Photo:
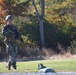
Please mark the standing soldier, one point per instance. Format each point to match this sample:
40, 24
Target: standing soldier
11, 34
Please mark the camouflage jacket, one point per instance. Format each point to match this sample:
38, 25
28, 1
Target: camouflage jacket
9, 34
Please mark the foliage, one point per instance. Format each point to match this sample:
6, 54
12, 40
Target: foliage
60, 14
73, 47
29, 31
13, 7
1, 37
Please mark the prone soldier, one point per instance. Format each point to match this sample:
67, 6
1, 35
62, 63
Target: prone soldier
11, 34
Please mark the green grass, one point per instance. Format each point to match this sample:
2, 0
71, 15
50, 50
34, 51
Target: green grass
31, 66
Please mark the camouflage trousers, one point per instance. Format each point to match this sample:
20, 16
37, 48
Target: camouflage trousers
12, 49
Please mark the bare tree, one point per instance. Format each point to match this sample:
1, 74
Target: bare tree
40, 14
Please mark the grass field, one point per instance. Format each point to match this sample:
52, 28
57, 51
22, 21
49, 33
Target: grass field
61, 65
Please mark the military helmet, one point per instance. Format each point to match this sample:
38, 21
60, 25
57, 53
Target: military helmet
9, 17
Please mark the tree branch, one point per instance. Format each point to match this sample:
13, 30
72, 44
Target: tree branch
33, 1
43, 7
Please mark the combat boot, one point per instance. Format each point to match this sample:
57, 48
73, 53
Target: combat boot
9, 66
14, 65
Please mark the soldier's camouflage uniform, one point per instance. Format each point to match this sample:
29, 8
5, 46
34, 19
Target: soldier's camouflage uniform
11, 45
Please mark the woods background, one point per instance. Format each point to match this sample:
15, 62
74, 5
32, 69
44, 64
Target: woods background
59, 26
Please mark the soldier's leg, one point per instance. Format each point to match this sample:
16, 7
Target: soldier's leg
14, 65
9, 65
15, 55
12, 51
12, 56
9, 53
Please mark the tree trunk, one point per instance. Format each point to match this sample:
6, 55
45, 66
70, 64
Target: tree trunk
41, 31
40, 18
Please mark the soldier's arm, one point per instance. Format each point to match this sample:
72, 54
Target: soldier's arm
4, 31
16, 28
19, 35
17, 32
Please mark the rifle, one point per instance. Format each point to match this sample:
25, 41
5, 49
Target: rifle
17, 34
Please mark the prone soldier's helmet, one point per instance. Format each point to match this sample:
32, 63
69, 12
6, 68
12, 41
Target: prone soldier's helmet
9, 17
